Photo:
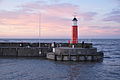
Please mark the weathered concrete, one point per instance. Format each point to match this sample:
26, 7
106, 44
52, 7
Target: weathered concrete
13, 44
63, 51
24, 52
67, 50
1, 53
75, 54
28, 52
9, 52
31, 49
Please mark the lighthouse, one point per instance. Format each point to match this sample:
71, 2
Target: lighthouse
74, 31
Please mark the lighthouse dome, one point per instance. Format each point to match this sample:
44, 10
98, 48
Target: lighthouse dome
74, 19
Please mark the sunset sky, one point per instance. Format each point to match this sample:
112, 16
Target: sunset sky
96, 18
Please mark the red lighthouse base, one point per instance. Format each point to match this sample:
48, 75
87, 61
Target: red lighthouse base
74, 34
74, 42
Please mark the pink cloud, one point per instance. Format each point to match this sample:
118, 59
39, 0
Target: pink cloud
56, 21
99, 31
113, 16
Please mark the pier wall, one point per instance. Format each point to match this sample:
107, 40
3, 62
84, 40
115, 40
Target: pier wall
75, 54
19, 49
24, 52
11, 44
74, 51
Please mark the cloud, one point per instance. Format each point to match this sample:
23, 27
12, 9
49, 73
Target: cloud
15, 18
88, 15
99, 31
56, 20
51, 14
26, 24
106, 29
118, 1
65, 10
113, 16
1, 1
115, 12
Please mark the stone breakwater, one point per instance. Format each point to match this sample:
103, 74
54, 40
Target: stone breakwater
23, 52
55, 51
24, 49
31, 49
21, 44
75, 54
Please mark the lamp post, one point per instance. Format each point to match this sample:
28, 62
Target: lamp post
39, 33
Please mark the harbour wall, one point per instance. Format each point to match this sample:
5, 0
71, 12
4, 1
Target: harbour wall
24, 52
32, 49
21, 44
75, 54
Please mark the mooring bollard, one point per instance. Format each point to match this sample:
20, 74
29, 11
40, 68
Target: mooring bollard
83, 44
20, 45
73, 46
53, 47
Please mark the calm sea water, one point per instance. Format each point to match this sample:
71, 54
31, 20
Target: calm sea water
42, 69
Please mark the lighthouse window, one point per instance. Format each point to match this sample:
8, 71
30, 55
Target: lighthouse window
74, 22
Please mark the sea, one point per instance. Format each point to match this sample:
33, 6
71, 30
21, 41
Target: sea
43, 69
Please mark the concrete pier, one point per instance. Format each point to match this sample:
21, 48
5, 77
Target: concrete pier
31, 49
75, 54
24, 52
26, 44
60, 51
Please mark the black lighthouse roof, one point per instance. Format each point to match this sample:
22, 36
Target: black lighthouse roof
74, 19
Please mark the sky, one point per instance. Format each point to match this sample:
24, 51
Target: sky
96, 18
